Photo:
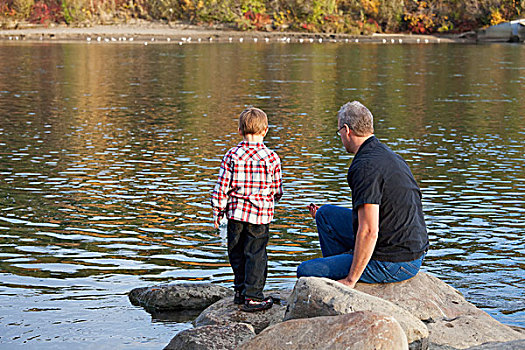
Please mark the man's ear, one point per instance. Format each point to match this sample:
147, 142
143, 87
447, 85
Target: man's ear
349, 131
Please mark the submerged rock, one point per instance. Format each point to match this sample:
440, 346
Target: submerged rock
313, 296
353, 331
176, 297
214, 337
226, 312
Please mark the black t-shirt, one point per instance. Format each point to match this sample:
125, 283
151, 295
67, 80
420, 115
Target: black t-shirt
379, 176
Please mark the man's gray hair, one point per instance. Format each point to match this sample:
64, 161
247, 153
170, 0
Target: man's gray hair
357, 117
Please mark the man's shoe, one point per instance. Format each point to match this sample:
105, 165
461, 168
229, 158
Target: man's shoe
238, 298
252, 305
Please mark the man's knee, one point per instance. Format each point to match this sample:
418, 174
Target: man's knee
313, 268
306, 269
322, 215
323, 210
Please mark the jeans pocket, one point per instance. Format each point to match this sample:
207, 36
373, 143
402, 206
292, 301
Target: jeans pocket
398, 272
259, 231
405, 273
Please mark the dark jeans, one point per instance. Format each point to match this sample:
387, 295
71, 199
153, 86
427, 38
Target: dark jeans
336, 236
248, 259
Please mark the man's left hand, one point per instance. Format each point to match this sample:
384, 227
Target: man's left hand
347, 283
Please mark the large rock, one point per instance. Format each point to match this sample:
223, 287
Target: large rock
212, 337
511, 345
424, 296
226, 312
183, 296
467, 331
353, 331
314, 296
451, 320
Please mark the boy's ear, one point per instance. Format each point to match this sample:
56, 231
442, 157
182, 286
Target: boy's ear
240, 132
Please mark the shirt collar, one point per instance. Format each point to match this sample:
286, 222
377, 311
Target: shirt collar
251, 144
368, 143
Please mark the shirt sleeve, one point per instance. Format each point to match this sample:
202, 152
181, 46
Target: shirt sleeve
219, 197
277, 181
366, 185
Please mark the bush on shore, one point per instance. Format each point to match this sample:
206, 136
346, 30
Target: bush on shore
327, 16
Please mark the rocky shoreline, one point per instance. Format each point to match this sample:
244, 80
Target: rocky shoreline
154, 33
421, 313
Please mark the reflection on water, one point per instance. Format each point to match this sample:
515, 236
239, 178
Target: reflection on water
108, 155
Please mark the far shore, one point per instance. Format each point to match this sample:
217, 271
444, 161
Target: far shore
152, 33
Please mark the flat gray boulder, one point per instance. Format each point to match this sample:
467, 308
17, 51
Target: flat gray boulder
451, 320
177, 297
468, 331
354, 331
226, 312
424, 296
314, 296
227, 337
511, 345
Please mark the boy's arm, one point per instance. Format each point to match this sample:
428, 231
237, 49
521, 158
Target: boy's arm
219, 197
277, 182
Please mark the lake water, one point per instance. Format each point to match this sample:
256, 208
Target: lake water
108, 155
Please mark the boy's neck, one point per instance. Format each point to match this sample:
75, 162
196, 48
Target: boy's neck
253, 138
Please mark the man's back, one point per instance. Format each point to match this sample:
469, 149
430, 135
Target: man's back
379, 176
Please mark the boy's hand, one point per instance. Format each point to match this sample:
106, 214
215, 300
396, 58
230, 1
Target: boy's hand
313, 209
217, 222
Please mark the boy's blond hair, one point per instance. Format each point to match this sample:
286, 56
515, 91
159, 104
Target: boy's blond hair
253, 121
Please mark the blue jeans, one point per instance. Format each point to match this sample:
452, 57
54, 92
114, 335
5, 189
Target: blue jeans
336, 236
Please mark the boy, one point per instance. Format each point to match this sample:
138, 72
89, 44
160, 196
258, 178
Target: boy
249, 184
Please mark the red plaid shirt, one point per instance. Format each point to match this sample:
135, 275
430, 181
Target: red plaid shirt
249, 183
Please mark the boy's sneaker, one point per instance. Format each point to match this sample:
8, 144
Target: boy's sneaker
252, 305
238, 298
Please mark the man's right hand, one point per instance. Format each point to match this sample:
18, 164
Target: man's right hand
313, 209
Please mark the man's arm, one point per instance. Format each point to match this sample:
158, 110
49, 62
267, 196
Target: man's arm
365, 242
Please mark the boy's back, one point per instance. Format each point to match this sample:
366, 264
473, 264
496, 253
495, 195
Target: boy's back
249, 183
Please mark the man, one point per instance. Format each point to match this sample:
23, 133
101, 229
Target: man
383, 238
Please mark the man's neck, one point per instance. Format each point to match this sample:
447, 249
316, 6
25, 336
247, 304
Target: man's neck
358, 142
